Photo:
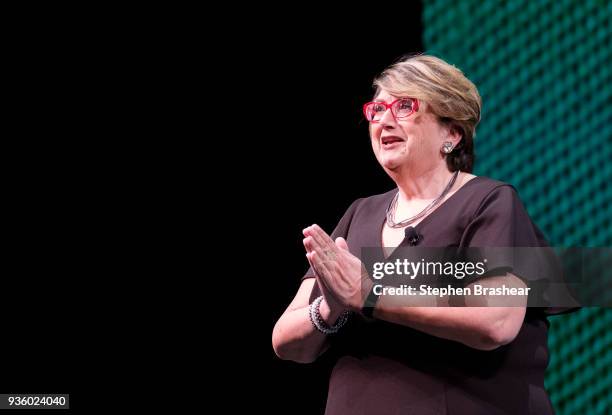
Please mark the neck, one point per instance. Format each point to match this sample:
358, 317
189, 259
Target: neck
423, 185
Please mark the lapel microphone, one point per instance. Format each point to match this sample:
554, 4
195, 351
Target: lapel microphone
412, 236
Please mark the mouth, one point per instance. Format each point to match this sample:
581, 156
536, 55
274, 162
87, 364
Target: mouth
390, 140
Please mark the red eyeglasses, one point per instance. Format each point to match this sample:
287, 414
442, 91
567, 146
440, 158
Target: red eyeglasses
400, 108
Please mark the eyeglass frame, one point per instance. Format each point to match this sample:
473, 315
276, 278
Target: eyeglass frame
415, 108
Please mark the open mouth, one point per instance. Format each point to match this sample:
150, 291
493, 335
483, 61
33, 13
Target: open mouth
390, 140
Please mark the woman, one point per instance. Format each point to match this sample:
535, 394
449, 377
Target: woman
421, 360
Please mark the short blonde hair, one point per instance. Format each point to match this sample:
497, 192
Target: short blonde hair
450, 96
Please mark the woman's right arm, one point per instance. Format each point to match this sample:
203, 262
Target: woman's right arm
294, 336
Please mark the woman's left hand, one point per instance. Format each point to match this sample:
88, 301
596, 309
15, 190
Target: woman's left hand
339, 270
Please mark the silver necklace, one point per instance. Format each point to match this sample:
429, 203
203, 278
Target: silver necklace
393, 206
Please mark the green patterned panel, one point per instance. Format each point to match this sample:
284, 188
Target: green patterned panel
544, 70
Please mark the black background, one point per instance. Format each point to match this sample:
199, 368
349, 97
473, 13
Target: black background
321, 157
65, 329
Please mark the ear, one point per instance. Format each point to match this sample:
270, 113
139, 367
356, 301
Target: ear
455, 135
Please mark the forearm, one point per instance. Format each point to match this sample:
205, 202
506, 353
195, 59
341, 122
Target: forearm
477, 327
295, 337
485, 323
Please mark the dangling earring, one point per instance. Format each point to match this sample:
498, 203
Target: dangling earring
447, 147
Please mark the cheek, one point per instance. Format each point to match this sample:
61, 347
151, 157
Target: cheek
375, 141
375, 132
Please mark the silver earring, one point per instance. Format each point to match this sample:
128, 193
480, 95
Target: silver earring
447, 147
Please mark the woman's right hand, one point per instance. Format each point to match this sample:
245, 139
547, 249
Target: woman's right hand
330, 308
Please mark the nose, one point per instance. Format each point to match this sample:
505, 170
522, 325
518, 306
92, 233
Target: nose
388, 120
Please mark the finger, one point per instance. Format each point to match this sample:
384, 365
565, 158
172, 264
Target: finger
318, 264
308, 243
320, 232
327, 246
321, 238
326, 279
341, 243
313, 265
310, 232
321, 266
327, 252
310, 262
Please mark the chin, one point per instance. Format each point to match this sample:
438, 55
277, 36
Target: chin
391, 161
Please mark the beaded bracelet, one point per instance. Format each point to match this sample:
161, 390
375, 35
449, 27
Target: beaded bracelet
319, 323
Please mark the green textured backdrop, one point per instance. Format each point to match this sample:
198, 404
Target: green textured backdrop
543, 69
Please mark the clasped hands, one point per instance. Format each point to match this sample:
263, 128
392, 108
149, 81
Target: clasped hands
339, 273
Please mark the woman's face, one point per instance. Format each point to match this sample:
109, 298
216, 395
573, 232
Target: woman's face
413, 142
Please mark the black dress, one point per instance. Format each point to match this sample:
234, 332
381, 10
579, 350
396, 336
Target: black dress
385, 368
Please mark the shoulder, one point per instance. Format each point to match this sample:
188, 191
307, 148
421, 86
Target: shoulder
362, 211
481, 191
372, 204
483, 200
498, 217
485, 185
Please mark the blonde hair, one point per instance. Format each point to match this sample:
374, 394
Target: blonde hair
452, 97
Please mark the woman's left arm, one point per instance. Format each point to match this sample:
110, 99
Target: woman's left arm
476, 325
